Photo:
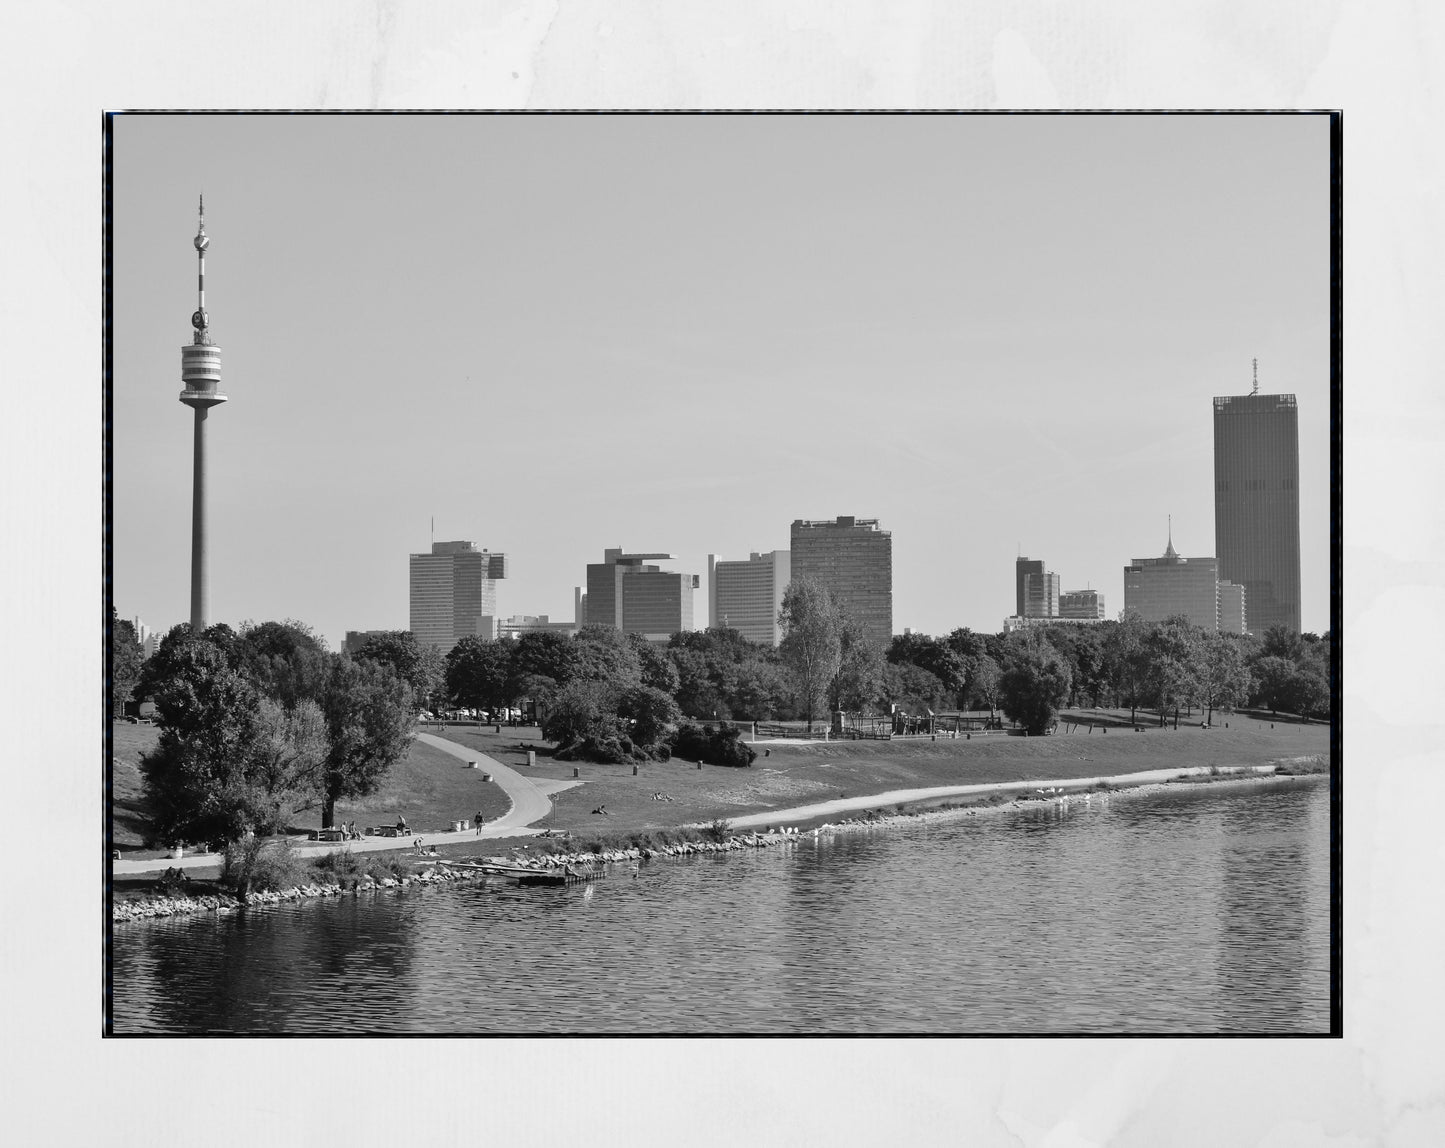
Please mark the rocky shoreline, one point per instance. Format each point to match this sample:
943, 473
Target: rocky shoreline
441, 873
150, 908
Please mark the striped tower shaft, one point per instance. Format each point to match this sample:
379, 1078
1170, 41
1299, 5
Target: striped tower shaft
200, 589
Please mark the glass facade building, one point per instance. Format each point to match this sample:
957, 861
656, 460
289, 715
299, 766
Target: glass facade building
1159, 588
1256, 504
853, 559
626, 591
452, 590
748, 595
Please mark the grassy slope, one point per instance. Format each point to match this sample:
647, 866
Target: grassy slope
797, 775
430, 787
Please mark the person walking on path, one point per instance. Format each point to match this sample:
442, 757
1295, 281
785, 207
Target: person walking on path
478, 821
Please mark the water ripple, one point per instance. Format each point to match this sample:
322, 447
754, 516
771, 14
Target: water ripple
1198, 911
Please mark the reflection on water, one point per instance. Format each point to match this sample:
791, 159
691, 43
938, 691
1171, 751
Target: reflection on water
1205, 909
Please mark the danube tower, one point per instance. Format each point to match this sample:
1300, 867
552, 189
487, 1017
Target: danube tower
201, 372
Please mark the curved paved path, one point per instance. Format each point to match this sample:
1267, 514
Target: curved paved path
529, 804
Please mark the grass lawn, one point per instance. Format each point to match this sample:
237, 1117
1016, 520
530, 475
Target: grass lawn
429, 787
800, 774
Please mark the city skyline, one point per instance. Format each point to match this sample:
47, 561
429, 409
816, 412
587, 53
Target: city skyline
996, 333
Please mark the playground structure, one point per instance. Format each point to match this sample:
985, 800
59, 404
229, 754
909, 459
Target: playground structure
883, 727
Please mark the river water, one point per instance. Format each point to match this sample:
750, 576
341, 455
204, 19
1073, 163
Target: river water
1199, 909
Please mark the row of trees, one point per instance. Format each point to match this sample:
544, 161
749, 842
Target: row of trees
259, 725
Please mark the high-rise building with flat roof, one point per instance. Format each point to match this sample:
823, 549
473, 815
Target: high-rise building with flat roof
1159, 588
1041, 595
748, 595
452, 590
1023, 567
1256, 504
853, 559
627, 591
1081, 604
1036, 589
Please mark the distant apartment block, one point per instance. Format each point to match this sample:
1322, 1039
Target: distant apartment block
853, 559
1256, 504
355, 639
519, 624
627, 591
452, 589
1082, 605
1159, 588
748, 595
1017, 623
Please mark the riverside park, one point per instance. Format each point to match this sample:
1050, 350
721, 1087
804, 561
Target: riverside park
455, 771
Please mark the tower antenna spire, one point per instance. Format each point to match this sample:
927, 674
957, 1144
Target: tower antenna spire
1256, 378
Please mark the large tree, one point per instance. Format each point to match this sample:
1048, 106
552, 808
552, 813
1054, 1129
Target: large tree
542, 662
286, 660
604, 654
812, 645
1126, 660
986, 683
1225, 679
369, 714
228, 759
1035, 684
944, 660
913, 689
858, 681
126, 657
1174, 652
656, 667
478, 672
420, 667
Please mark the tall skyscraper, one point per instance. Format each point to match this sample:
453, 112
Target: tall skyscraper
1023, 567
853, 559
626, 591
748, 595
201, 372
454, 593
1256, 504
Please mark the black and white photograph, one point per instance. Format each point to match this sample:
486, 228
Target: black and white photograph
818, 574
773, 573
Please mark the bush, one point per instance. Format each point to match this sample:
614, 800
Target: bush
254, 864
719, 830
715, 746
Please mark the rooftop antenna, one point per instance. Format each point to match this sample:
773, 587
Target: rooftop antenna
1256, 378
433, 529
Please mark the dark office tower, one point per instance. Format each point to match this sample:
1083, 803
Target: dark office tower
1022, 569
1256, 504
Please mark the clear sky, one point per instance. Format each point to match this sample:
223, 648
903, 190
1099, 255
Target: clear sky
558, 334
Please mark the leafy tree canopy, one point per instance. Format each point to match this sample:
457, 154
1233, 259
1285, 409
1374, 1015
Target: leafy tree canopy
812, 647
